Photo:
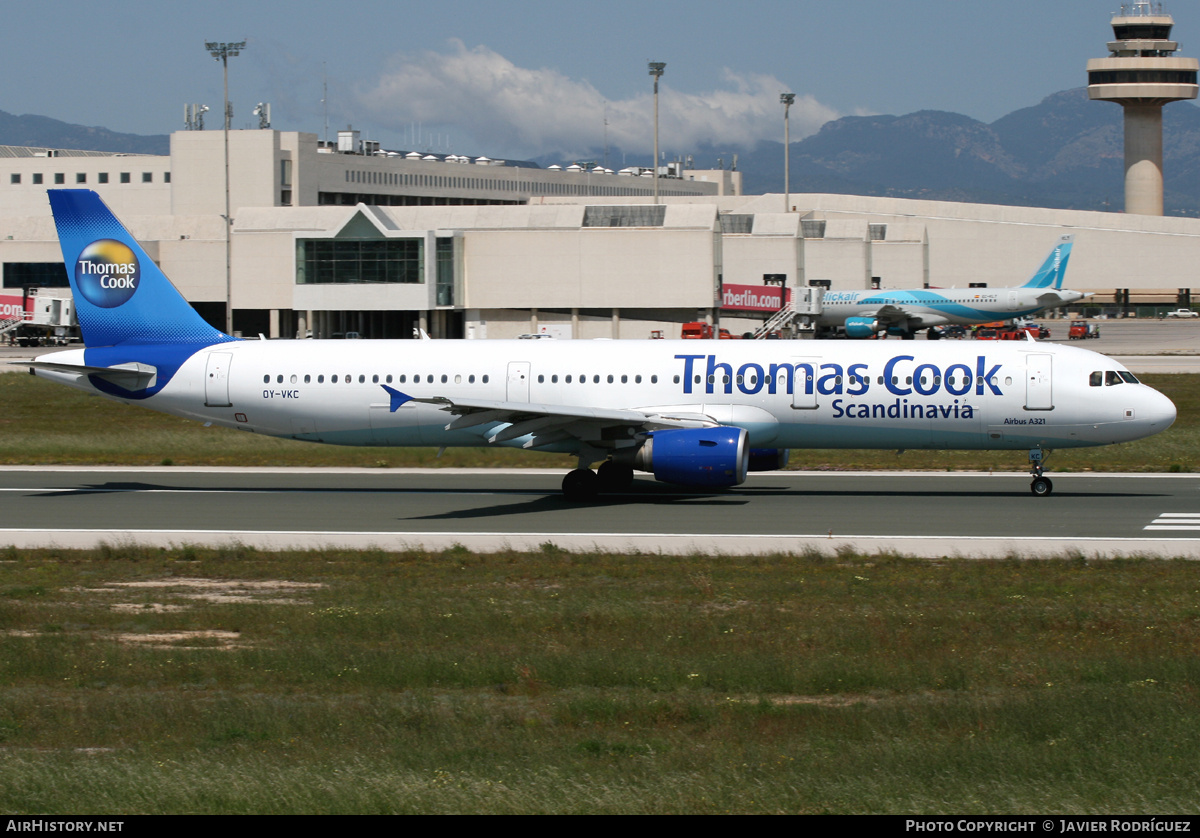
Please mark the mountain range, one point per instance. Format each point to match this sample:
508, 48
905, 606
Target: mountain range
1065, 152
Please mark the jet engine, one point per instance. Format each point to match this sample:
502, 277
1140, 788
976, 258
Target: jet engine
861, 327
713, 457
768, 459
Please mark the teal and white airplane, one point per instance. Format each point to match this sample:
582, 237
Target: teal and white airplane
863, 314
692, 413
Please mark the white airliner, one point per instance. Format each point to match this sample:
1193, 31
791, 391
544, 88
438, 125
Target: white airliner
862, 314
693, 413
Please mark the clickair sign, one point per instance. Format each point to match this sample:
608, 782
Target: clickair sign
107, 273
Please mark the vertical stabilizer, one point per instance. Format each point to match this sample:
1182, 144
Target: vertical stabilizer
121, 296
1052, 271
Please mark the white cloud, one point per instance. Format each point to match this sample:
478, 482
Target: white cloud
521, 111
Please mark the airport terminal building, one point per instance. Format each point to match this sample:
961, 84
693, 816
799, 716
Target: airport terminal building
329, 239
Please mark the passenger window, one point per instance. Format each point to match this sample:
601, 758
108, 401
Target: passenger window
279, 379
362, 379
458, 379
624, 379
637, 379
266, 379
307, 379
470, 379
654, 379
320, 379
334, 379
595, 379
374, 379
485, 379
568, 379
541, 379
429, 379
293, 379
389, 378
610, 379
402, 378
554, 379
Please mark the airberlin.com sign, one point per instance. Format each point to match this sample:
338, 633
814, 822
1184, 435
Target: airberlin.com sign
11, 308
751, 297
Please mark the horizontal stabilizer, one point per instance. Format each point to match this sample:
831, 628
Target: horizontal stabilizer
131, 376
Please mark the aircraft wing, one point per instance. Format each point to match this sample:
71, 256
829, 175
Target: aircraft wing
547, 424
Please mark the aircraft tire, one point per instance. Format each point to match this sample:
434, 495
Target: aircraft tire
1041, 486
614, 477
580, 485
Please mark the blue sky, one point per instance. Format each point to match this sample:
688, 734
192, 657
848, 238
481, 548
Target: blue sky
524, 79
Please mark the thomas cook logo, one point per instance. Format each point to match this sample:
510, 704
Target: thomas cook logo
107, 273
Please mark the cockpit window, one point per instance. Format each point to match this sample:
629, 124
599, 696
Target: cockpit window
1128, 376
1112, 377
1096, 379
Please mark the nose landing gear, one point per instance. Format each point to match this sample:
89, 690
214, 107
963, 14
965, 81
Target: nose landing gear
1041, 485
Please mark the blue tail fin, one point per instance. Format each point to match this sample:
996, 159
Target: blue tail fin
121, 297
1052, 271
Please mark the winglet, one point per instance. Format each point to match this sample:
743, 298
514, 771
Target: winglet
397, 398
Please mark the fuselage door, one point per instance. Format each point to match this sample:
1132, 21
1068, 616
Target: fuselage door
804, 383
1039, 394
216, 380
518, 381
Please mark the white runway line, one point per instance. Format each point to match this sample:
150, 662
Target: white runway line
1176, 521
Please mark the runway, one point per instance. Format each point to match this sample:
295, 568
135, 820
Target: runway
919, 514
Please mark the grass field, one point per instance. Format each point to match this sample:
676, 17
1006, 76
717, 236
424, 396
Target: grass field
190, 680
139, 680
43, 423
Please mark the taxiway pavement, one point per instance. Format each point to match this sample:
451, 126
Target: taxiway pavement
921, 514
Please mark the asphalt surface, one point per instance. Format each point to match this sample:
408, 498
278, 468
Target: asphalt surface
967, 515
913, 513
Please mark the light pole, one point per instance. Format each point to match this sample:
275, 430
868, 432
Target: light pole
222, 52
788, 99
656, 70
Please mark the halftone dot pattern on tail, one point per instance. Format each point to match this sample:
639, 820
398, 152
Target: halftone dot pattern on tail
156, 313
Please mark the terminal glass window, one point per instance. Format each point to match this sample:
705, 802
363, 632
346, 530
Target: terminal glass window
322, 261
445, 271
647, 215
812, 228
736, 223
35, 275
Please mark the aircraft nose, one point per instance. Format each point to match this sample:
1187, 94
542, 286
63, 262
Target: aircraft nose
1158, 412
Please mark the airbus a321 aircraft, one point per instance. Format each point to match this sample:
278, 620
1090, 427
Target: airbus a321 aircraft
691, 413
863, 314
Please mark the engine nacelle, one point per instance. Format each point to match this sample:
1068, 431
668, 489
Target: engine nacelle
717, 456
861, 327
769, 459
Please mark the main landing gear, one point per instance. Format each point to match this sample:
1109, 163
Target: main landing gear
584, 484
1041, 485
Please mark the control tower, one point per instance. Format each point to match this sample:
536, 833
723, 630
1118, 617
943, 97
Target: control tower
1141, 75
